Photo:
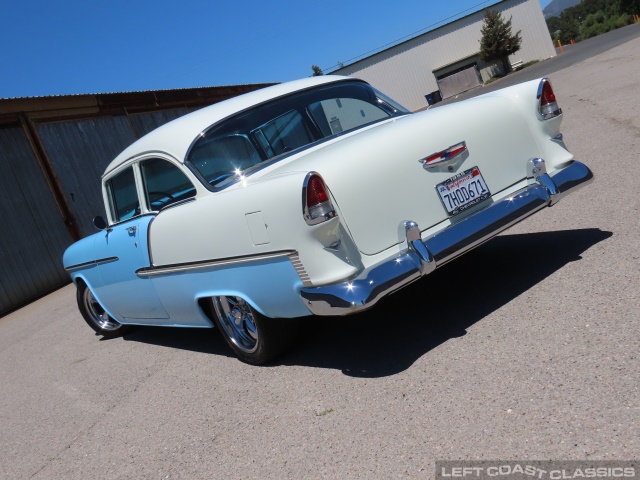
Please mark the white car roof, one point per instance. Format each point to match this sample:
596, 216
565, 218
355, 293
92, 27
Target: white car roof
176, 137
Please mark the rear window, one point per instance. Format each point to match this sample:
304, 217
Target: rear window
244, 143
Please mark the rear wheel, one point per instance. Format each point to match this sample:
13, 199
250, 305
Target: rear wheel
95, 315
254, 338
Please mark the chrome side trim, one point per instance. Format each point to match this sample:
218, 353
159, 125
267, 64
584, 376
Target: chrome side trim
92, 263
107, 260
149, 239
176, 204
184, 267
422, 256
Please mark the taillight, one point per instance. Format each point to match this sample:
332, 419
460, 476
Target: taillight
316, 204
547, 104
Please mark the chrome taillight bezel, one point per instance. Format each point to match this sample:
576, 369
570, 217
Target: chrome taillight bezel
550, 109
318, 213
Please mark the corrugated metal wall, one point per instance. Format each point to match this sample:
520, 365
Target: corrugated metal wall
79, 152
33, 236
405, 72
143, 123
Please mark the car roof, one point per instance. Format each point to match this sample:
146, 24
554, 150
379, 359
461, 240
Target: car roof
176, 137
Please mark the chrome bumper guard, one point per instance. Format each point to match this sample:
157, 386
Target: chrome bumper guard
424, 256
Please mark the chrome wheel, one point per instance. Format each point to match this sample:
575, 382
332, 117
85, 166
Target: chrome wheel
238, 322
96, 313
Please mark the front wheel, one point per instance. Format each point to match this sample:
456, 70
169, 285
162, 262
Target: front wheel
254, 338
95, 315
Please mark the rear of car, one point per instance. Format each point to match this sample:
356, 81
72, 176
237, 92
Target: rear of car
416, 192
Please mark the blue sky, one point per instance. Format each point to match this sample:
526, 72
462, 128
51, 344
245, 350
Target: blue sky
79, 46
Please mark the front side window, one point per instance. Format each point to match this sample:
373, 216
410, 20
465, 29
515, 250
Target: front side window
252, 139
123, 196
164, 184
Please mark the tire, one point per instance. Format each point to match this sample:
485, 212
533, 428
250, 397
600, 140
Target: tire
95, 316
254, 338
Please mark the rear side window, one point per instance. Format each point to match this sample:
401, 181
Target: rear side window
283, 134
164, 184
341, 114
123, 196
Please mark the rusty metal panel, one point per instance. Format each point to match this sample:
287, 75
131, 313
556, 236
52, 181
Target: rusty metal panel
33, 236
143, 123
80, 151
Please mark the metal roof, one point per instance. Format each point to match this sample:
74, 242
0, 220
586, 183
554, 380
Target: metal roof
60, 107
203, 87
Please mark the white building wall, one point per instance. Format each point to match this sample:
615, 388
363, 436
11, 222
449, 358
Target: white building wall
405, 72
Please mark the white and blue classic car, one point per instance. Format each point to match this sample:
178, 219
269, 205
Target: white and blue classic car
314, 197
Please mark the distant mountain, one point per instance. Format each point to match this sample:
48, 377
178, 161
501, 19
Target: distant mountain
556, 7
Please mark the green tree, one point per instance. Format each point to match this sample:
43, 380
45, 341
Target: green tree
497, 41
569, 27
590, 18
317, 71
632, 7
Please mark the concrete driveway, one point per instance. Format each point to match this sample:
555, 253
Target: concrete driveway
526, 348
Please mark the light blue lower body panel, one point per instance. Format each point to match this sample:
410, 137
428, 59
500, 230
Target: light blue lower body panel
93, 279
271, 286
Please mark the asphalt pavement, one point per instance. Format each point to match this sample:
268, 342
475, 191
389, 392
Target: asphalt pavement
526, 348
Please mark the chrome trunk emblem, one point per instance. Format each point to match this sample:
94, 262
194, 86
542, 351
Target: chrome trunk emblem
445, 157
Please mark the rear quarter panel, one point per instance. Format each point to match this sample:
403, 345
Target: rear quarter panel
254, 217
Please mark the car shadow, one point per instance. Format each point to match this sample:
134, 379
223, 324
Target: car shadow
403, 327
202, 340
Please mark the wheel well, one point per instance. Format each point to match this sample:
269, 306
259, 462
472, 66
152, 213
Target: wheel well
206, 305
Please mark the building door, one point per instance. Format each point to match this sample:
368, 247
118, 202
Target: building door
459, 82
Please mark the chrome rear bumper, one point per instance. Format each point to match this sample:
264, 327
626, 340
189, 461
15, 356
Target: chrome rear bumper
424, 256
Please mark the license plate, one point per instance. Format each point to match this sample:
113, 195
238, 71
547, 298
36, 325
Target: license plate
463, 191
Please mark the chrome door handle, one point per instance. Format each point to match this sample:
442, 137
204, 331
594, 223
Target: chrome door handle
131, 230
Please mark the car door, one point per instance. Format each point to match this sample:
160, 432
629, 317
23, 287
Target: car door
124, 243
